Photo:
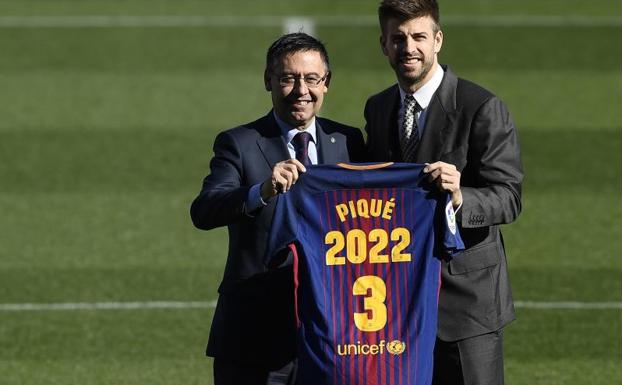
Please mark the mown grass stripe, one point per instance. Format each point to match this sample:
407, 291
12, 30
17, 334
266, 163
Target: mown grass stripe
108, 305
98, 21
558, 305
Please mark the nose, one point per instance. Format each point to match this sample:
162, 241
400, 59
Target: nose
300, 87
410, 45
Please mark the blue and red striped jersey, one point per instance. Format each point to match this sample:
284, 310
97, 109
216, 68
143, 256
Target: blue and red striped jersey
367, 241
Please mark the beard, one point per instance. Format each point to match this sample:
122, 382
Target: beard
413, 77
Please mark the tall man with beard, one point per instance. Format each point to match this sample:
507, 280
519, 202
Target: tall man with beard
465, 135
253, 332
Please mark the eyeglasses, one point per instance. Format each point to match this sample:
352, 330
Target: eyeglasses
311, 81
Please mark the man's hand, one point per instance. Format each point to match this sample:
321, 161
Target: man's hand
447, 178
284, 175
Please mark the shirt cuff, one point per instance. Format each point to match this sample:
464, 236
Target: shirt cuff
253, 200
458, 208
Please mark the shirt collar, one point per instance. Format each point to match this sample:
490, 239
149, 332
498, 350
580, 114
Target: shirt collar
423, 95
288, 132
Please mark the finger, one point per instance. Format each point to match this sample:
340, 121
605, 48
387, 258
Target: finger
291, 174
280, 184
452, 176
447, 166
301, 167
451, 183
447, 186
294, 174
286, 179
430, 167
285, 174
433, 175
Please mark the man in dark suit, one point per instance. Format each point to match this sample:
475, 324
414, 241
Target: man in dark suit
253, 332
466, 136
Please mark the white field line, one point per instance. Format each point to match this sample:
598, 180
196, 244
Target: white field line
100, 21
18, 307
108, 305
568, 305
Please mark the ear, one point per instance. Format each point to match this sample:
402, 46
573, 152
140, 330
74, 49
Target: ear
327, 81
266, 80
438, 42
383, 41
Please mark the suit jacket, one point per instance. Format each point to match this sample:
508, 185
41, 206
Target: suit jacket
469, 127
254, 320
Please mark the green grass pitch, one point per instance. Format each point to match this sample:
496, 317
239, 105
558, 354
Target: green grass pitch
106, 134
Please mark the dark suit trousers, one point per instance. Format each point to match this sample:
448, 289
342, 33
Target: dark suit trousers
472, 361
235, 373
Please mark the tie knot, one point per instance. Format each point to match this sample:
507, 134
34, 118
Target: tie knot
301, 140
410, 103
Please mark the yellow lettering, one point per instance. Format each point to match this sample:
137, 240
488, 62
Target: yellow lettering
380, 237
351, 349
388, 209
365, 208
356, 247
362, 206
356, 243
402, 236
342, 211
375, 208
364, 350
374, 302
340, 351
352, 209
381, 344
336, 239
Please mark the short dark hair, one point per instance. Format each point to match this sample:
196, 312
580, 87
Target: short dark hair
408, 9
294, 42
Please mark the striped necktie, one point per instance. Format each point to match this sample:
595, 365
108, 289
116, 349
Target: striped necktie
301, 145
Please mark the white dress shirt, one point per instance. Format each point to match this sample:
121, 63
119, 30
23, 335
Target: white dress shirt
423, 96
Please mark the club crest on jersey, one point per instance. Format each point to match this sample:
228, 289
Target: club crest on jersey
451, 217
396, 347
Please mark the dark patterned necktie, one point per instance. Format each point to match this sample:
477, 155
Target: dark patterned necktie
410, 132
301, 145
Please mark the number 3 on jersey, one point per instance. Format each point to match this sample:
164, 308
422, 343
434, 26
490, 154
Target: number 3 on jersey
373, 302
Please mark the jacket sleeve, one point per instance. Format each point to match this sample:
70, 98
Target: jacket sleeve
222, 198
494, 171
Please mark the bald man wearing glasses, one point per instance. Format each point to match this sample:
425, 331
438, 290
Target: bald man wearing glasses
252, 338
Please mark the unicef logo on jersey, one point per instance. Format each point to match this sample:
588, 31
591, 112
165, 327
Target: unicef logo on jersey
451, 217
396, 347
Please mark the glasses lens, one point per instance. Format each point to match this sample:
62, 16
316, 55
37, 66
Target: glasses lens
310, 81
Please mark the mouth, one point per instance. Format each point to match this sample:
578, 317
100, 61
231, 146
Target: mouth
301, 103
410, 60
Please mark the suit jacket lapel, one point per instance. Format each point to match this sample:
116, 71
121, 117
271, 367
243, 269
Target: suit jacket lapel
271, 142
330, 146
440, 119
390, 122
